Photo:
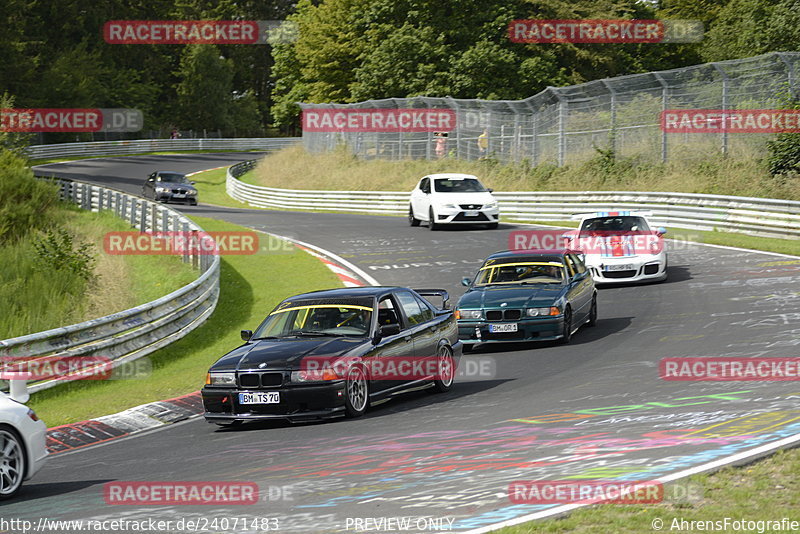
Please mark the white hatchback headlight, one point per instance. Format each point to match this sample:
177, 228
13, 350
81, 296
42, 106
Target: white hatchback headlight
491, 205
449, 206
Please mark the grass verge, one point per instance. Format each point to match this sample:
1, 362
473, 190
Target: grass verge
294, 168
250, 286
38, 298
767, 490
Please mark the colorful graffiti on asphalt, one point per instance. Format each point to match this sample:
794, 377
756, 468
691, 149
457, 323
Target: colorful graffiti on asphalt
468, 472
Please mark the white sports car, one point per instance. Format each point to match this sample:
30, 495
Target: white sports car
451, 198
23, 440
620, 247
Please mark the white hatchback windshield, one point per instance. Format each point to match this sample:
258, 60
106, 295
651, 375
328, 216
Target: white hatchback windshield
466, 185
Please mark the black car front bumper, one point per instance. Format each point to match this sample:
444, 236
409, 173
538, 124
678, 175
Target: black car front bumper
297, 403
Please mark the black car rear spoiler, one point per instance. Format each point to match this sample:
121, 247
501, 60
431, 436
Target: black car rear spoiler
436, 293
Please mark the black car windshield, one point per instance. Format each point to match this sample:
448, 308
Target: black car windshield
625, 223
172, 177
466, 185
316, 320
530, 272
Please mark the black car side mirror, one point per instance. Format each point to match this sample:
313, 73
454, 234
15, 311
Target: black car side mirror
465, 281
387, 330
192, 183
247, 335
491, 190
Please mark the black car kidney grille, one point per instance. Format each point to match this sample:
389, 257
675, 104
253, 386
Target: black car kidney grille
180, 191
260, 380
471, 206
499, 315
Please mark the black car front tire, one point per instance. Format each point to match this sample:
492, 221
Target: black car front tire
356, 392
446, 370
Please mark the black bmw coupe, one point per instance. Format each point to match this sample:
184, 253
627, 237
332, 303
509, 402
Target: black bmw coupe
331, 353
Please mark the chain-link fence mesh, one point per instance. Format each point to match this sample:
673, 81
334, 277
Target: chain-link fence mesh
567, 124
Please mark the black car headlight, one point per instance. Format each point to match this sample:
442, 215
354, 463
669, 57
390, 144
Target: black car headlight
160, 189
315, 375
192, 193
220, 379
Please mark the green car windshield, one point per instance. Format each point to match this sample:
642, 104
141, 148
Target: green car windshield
316, 320
532, 272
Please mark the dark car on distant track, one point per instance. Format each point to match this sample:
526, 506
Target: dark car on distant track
527, 295
330, 353
167, 186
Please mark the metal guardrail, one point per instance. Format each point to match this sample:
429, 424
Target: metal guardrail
139, 146
757, 216
131, 334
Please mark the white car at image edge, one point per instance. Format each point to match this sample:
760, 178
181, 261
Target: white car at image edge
23, 440
623, 247
452, 198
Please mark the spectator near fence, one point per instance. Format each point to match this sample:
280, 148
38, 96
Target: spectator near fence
483, 144
441, 144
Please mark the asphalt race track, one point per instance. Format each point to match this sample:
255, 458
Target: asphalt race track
595, 408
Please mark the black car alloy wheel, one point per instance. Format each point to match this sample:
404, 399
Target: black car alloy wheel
446, 369
356, 392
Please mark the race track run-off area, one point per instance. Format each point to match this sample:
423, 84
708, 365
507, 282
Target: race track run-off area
593, 409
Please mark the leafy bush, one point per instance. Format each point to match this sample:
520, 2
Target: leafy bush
57, 250
784, 154
25, 203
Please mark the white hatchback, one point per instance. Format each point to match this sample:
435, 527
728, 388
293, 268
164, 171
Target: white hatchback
23, 440
452, 198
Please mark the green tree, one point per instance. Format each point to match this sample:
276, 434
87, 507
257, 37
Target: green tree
205, 92
746, 28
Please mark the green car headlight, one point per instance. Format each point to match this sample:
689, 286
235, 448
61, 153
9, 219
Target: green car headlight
469, 314
539, 312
